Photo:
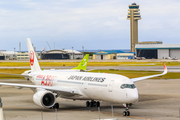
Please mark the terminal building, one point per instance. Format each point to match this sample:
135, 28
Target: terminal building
25, 55
104, 55
125, 56
158, 51
112, 54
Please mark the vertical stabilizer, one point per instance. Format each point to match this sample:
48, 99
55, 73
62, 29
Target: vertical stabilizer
83, 64
32, 57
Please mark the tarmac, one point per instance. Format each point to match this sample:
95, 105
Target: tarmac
159, 100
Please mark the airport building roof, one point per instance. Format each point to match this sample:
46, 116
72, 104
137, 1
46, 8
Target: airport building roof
157, 46
64, 51
108, 52
8, 52
70, 51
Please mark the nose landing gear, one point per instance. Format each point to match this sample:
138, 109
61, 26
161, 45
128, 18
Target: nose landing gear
126, 112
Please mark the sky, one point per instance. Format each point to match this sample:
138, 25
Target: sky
94, 24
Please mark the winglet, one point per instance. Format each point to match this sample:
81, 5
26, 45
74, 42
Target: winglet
83, 64
32, 57
165, 69
151, 76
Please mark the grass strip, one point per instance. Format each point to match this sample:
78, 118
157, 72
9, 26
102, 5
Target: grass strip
135, 74
53, 64
127, 73
14, 71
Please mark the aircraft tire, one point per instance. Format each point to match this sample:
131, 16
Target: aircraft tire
91, 104
88, 104
97, 104
94, 104
128, 113
124, 113
56, 105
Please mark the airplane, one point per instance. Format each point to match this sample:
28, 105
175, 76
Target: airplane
49, 85
80, 68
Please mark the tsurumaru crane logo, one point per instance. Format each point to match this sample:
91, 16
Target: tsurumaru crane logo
31, 57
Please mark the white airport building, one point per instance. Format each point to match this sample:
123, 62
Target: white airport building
8, 55
158, 51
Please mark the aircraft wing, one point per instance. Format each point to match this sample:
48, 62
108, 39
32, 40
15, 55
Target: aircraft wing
90, 70
15, 74
66, 91
151, 76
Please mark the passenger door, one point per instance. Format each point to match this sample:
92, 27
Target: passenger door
85, 84
111, 85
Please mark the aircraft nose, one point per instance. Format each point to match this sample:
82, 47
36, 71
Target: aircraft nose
134, 96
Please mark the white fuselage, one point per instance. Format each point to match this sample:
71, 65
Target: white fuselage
92, 86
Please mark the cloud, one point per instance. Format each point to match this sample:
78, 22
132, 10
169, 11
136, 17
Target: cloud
85, 21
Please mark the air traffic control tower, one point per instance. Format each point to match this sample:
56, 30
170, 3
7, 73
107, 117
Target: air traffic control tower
134, 16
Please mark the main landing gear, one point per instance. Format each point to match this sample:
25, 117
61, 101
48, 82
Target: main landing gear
93, 104
56, 106
126, 112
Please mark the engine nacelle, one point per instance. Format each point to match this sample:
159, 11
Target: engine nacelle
45, 99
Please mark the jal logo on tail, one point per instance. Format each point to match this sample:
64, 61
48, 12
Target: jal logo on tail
31, 56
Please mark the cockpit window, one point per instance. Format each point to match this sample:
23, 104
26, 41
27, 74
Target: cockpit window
132, 86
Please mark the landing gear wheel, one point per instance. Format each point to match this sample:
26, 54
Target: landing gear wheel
127, 113
93, 104
56, 105
124, 113
97, 104
88, 104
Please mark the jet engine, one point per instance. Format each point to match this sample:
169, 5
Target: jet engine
45, 99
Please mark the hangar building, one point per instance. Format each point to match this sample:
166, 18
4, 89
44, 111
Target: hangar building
74, 54
158, 51
54, 54
2, 56
106, 54
61, 54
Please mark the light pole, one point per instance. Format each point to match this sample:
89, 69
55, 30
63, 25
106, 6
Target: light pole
14, 53
72, 53
1, 111
83, 50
